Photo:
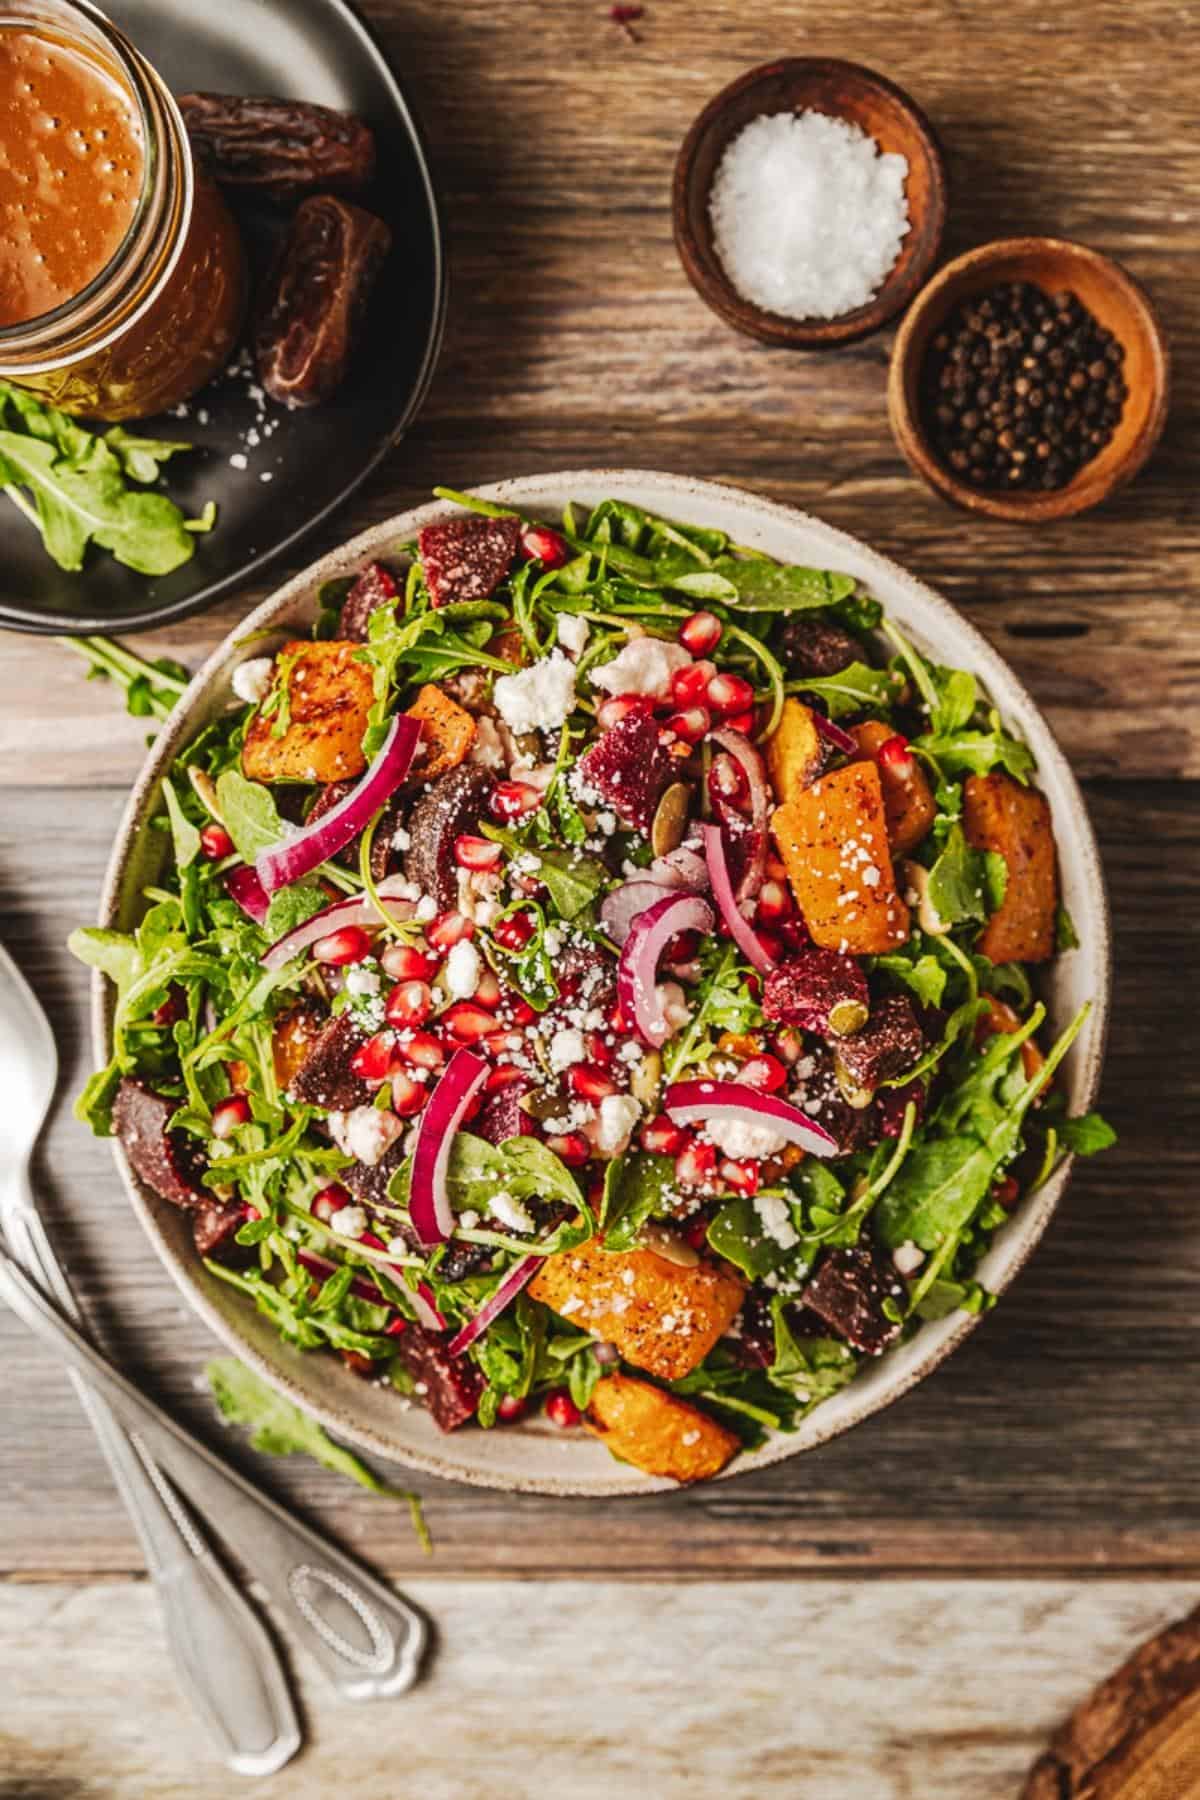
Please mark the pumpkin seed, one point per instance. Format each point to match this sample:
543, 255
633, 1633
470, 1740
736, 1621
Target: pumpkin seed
846, 1017
670, 819
666, 1244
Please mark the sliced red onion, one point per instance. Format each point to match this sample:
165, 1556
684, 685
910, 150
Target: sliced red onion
503, 1296
242, 884
834, 733
361, 1288
696, 1102
426, 1310
740, 928
355, 909
637, 971
683, 868
428, 1202
619, 909
755, 771
314, 844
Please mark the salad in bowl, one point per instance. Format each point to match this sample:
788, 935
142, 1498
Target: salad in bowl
595, 974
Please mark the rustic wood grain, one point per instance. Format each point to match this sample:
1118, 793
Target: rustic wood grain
927, 1690
1062, 1436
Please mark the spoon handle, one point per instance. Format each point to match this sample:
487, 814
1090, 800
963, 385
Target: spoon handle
368, 1640
224, 1656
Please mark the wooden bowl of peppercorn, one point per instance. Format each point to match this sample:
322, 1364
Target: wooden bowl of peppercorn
1029, 379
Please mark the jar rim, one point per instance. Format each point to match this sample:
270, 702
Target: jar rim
140, 79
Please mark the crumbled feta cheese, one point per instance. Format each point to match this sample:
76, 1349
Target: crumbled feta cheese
463, 966
398, 1246
644, 665
676, 1010
619, 1113
566, 1047
776, 1219
606, 822
252, 679
510, 1212
744, 1137
572, 632
426, 909
401, 839
351, 1221
488, 747
908, 1257
552, 940
539, 698
362, 980
371, 1133
468, 1220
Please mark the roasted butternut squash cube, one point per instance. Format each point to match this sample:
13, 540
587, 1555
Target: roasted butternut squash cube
293, 1035
908, 801
795, 750
328, 698
833, 841
447, 732
1000, 814
658, 1433
663, 1316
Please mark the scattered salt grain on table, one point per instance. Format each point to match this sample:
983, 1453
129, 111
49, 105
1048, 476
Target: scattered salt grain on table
808, 215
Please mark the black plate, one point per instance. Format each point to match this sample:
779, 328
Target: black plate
313, 50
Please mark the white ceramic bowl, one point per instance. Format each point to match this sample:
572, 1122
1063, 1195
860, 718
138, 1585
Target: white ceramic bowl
536, 1457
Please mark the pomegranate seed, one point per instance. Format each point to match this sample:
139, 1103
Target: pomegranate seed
513, 799
373, 1059
422, 1049
618, 1022
519, 1011
476, 852
170, 1010
1006, 1191
695, 1231
727, 781
372, 1240
409, 1003
743, 722
619, 706
404, 963
599, 1051
216, 842
771, 942
487, 990
505, 1076
788, 1044
561, 1410
466, 1023
229, 1114
503, 1043
691, 725
701, 633
774, 903
572, 1148
689, 686
893, 753
766, 1073
448, 929
740, 1176
695, 1164
793, 932
330, 1200
514, 932
349, 944
396, 1327
683, 947
729, 694
662, 1137
540, 544
510, 1408
589, 1084
408, 1095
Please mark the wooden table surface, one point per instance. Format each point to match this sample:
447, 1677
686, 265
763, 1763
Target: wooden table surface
1059, 1445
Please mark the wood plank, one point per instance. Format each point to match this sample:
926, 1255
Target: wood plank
870, 1692
1061, 1437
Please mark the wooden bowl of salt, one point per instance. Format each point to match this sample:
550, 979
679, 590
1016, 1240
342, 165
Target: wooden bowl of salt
796, 233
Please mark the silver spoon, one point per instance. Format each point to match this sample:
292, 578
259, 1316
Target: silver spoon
367, 1639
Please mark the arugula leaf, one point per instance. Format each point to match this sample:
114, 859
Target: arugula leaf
184, 835
813, 1367
856, 688
250, 814
1086, 1135
975, 752
141, 458
763, 586
150, 688
635, 1187
116, 953
291, 906
924, 975
1065, 935
571, 880
737, 1234
965, 883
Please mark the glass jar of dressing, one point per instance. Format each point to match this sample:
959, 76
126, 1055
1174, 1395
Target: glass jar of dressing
122, 280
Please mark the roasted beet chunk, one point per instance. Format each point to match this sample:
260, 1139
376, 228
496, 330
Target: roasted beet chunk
214, 1223
629, 768
503, 1117
450, 806
818, 990
449, 1386
891, 1103
167, 1161
325, 1077
848, 1292
810, 645
819, 1093
368, 1182
586, 978
890, 1043
376, 586
466, 559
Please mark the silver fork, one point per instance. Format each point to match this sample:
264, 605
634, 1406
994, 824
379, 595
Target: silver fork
366, 1638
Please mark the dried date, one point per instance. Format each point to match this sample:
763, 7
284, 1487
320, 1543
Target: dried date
312, 308
279, 147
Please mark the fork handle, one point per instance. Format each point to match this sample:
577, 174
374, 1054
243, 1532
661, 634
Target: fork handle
367, 1639
224, 1656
